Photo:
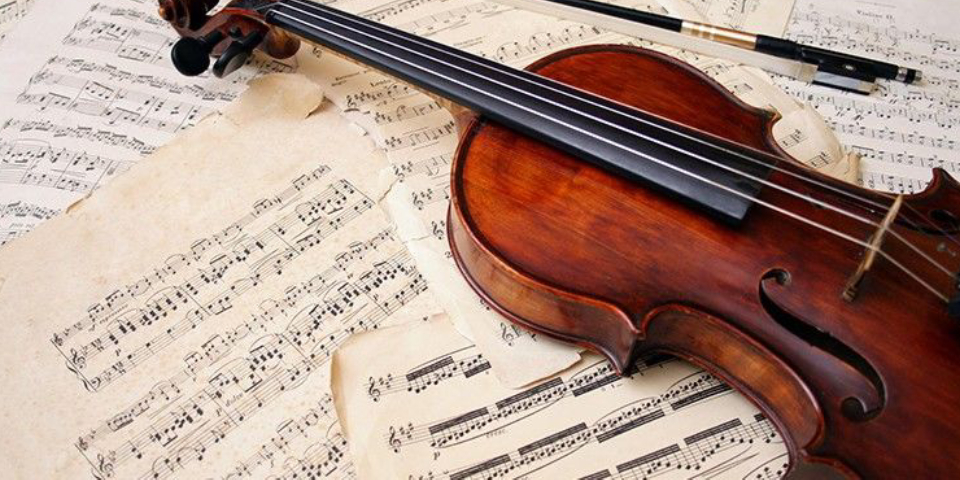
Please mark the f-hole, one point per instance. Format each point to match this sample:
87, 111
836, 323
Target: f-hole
935, 222
853, 408
945, 219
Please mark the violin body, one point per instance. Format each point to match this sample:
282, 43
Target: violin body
864, 387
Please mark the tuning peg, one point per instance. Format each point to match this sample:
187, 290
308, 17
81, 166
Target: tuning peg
237, 54
191, 56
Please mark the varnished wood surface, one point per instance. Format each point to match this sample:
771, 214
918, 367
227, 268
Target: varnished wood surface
572, 251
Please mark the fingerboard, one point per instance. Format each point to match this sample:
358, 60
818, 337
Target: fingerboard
625, 141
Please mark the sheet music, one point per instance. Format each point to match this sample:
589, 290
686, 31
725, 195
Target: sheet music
418, 401
420, 140
11, 11
87, 90
902, 131
754, 16
185, 328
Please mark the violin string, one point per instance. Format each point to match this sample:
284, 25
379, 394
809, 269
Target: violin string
622, 147
545, 83
551, 85
663, 163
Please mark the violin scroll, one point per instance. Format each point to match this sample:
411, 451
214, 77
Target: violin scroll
230, 35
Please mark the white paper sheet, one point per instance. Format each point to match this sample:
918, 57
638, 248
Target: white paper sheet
902, 131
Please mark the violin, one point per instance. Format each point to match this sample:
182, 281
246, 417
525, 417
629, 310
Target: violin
619, 199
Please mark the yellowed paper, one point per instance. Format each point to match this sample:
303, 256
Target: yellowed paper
754, 16
179, 322
418, 401
807, 138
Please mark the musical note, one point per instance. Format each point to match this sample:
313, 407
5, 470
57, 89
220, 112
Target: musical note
476, 423
668, 420
199, 298
11, 11
430, 167
17, 218
110, 104
37, 164
699, 449
248, 364
465, 363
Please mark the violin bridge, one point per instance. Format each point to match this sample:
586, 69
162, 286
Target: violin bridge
876, 240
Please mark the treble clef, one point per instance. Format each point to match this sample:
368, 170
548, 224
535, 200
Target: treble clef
104, 468
78, 359
395, 443
372, 389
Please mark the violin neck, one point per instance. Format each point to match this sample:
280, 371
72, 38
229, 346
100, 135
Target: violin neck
623, 140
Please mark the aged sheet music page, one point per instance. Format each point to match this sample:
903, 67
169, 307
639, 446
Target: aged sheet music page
86, 90
179, 322
418, 401
420, 139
